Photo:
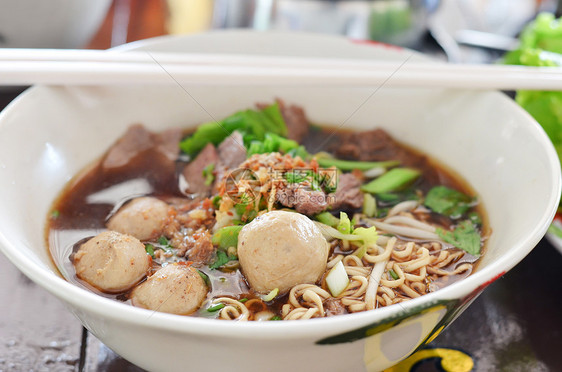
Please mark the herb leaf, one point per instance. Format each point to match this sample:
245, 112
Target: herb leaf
448, 202
250, 122
464, 236
222, 259
149, 248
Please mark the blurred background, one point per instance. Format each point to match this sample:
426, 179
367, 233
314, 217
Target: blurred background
456, 30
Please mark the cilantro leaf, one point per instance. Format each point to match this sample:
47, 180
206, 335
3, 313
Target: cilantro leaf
448, 202
464, 236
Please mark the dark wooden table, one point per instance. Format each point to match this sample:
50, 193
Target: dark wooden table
515, 325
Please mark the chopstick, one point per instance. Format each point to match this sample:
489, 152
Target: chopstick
88, 67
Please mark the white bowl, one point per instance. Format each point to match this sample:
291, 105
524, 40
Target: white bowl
49, 133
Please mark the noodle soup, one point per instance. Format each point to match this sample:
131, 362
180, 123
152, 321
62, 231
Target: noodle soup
263, 216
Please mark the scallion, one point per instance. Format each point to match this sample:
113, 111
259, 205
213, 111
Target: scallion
217, 307
369, 205
392, 180
271, 295
337, 279
349, 165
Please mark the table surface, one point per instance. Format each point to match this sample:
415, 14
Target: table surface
515, 325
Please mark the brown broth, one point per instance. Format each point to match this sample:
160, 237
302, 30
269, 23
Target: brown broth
87, 202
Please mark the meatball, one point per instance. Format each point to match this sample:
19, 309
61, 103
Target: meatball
112, 262
280, 250
176, 288
144, 218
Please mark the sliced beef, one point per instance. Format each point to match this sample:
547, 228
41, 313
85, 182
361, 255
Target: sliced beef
232, 151
138, 140
193, 172
377, 145
334, 306
295, 118
135, 140
304, 201
168, 141
347, 195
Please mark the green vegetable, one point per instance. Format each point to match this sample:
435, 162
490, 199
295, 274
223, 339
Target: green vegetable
392, 180
208, 174
254, 124
221, 260
165, 244
55, 214
344, 226
369, 205
276, 317
327, 219
337, 279
271, 295
243, 300
348, 165
300, 152
541, 45
297, 175
272, 143
464, 236
367, 234
216, 201
204, 276
217, 307
149, 248
393, 274
448, 202
227, 236
475, 218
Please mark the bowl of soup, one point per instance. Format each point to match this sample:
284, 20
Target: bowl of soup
256, 227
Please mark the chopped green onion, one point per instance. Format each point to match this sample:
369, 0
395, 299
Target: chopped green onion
227, 236
163, 240
393, 274
345, 224
212, 309
360, 252
337, 279
55, 214
348, 165
369, 205
392, 180
221, 260
276, 317
271, 295
149, 248
243, 300
328, 219
208, 174
204, 276
216, 201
